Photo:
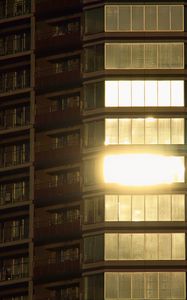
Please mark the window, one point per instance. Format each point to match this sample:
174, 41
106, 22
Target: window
94, 210
64, 216
94, 287
144, 18
92, 171
148, 285
144, 56
144, 93
141, 246
94, 20
71, 139
94, 95
144, 131
94, 134
94, 58
66, 102
135, 208
93, 248
67, 65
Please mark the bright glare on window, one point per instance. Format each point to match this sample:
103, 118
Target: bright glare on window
143, 169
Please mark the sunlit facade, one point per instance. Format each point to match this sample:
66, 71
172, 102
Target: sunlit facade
134, 140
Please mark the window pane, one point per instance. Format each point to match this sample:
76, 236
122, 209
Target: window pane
177, 17
178, 246
177, 130
137, 131
165, 285
111, 246
164, 207
151, 246
111, 285
138, 208
137, 18
163, 17
151, 56
125, 246
150, 17
125, 208
138, 246
150, 131
138, 93
165, 246
177, 93
178, 285
125, 129
111, 208
178, 208
124, 18
111, 93
151, 204
124, 93
125, 285
151, 285
164, 131
111, 18
137, 56
150, 93
164, 93
111, 131
138, 285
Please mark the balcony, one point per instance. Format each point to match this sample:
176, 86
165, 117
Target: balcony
11, 45
13, 234
14, 272
48, 42
54, 270
9, 8
48, 80
51, 192
57, 7
55, 155
11, 159
14, 82
14, 120
52, 232
14, 196
50, 117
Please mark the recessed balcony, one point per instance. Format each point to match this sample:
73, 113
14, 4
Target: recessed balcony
52, 192
54, 270
14, 271
9, 8
51, 232
13, 159
14, 197
48, 42
57, 7
48, 80
53, 155
51, 117
13, 234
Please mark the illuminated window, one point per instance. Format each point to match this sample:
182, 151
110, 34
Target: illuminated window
144, 56
148, 285
144, 18
145, 207
144, 131
143, 169
141, 246
144, 93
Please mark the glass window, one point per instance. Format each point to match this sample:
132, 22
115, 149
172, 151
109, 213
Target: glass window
150, 17
112, 17
124, 18
138, 208
137, 17
111, 131
111, 246
111, 93
94, 20
163, 17
138, 93
111, 208
124, 94
131, 56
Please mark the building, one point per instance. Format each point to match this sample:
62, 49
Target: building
92, 149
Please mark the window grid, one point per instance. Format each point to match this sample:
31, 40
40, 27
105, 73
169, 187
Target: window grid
144, 18
181, 281
172, 246
159, 217
159, 64
169, 136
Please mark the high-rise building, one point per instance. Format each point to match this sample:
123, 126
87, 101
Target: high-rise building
93, 149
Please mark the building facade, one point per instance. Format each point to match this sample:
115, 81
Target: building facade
92, 149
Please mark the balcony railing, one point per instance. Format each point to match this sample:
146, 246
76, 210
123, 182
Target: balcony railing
9, 82
57, 231
13, 158
11, 45
45, 270
54, 191
13, 120
13, 233
9, 8
13, 196
14, 272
